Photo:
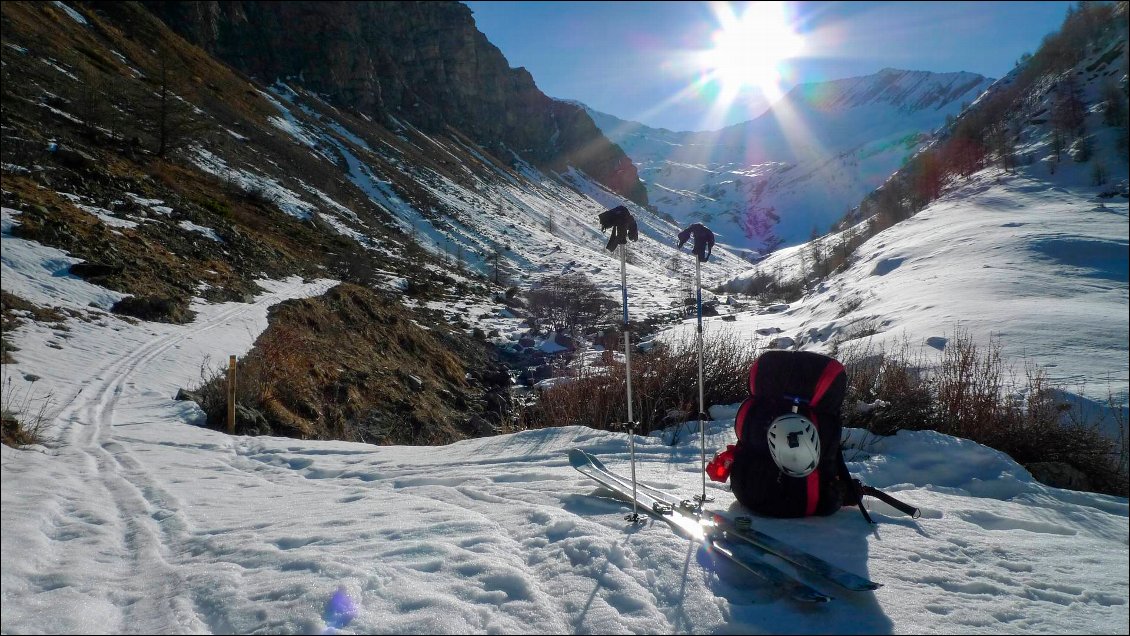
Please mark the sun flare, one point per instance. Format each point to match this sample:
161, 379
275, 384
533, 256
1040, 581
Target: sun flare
749, 48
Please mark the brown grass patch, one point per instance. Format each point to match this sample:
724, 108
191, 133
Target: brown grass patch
354, 366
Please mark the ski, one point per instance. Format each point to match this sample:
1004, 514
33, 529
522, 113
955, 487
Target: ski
791, 554
742, 554
662, 495
797, 557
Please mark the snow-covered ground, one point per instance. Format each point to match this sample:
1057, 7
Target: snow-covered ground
134, 519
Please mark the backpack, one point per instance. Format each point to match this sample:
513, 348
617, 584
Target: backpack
783, 382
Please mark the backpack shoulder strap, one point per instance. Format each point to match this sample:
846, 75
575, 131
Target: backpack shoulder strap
739, 419
827, 378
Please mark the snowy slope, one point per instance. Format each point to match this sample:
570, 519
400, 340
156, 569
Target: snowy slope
133, 519
1040, 266
802, 164
540, 224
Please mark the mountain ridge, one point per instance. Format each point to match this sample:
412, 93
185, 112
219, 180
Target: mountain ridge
426, 63
799, 166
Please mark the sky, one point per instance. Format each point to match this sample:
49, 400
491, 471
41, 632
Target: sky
132, 518
646, 61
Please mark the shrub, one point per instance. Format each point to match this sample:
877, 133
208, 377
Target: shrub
972, 394
155, 309
24, 416
663, 379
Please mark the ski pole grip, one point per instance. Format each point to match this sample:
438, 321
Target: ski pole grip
905, 508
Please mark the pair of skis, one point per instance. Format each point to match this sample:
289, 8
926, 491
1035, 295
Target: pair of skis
745, 547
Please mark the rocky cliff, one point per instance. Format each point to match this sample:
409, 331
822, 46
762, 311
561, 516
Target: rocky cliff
419, 62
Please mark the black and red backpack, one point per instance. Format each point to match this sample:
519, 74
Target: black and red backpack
783, 382
813, 386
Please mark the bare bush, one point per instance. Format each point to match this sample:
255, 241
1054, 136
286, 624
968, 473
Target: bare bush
568, 301
256, 380
972, 394
768, 287
881, 377
663, 379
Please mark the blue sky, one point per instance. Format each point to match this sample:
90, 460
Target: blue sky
630, 59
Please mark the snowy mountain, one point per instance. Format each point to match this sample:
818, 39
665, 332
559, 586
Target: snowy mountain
801, 165
132, 515
1025, 240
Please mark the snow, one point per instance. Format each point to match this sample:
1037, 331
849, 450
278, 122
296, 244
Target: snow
75, 15
206, 231
106, 217
1039, 266
42, 274
132, 518
53, 64
287, 200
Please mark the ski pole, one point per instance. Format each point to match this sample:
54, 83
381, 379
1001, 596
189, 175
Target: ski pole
628, 377
624, 229
701, 398
902, 507
701, 248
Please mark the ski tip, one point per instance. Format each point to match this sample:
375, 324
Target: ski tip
578, 457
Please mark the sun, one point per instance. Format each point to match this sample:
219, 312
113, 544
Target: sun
749, 48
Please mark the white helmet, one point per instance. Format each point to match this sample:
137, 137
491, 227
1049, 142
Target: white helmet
794, 444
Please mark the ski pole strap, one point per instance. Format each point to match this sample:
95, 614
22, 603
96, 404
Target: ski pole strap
882, 496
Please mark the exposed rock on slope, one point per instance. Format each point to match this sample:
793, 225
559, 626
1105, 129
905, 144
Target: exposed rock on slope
424, 62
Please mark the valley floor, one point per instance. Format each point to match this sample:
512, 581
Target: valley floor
131, 518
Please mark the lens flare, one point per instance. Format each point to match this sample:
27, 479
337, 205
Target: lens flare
749, 48
340, 610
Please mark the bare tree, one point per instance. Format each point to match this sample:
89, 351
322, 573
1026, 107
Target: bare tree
171, 119
496, 264
568, 301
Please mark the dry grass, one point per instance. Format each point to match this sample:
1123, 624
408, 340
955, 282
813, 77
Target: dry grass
971, 394
348, 365
664, 379
24, 415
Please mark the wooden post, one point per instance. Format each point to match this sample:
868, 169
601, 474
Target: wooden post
231, 395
